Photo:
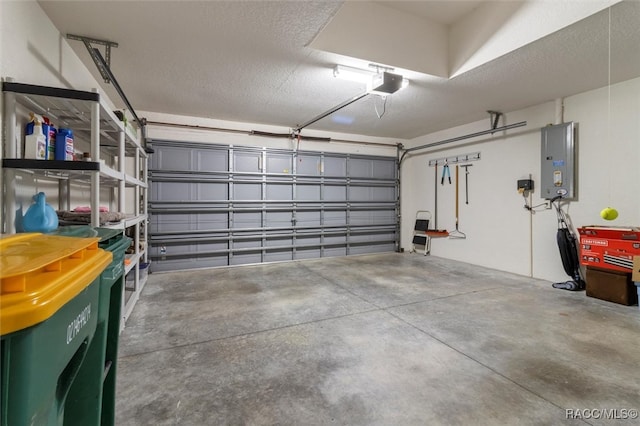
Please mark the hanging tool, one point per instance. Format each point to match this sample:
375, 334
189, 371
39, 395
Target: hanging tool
457, 233
466, 181
445, 171
435, 201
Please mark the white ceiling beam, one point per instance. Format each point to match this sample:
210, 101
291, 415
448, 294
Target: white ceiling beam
496, 28
376, 33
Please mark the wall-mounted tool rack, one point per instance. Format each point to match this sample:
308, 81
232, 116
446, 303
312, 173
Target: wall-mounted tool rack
464, 158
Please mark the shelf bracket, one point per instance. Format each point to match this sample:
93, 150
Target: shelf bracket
88, 41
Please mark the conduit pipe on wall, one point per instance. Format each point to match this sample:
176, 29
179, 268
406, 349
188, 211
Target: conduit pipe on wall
559, 111
459, 138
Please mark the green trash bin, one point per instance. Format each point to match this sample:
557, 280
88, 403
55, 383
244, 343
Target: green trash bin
91, 399
49, 296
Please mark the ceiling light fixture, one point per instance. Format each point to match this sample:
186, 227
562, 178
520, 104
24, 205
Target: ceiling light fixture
381, 81
353, 74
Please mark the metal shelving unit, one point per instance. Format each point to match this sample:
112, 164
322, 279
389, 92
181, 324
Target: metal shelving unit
110, 143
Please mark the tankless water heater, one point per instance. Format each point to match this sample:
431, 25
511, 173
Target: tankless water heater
558, 168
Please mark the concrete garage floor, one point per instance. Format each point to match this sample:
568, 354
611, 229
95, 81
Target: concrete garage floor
386, 339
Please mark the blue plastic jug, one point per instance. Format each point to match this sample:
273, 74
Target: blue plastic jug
40, 217
64, 145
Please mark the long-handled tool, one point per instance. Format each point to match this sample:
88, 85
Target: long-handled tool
466, 182
457, 233
435, 199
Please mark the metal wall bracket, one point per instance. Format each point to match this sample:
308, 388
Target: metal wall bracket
104, 67
494, 119
88, 41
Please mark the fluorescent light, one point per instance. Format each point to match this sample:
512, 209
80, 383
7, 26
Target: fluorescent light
365, 77
353, 74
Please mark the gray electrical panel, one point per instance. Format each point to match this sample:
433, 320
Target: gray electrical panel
557, 175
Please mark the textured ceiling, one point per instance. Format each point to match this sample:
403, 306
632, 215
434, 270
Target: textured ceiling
444, 12
251, 61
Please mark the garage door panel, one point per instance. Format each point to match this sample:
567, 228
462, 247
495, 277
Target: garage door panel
247, 220
367, 193
171, 191
304, 219
211, 160
278, 255
333, 218
360, 168
335, 193
212, 221
335, 251
308, 241
272, 241
188, 222
305, 253
278, 219
169, 249
266, 205
212, 191
372, 248
372, 217
279, 163
247, 241
384, 169
309, 165
245, 258
171, 158
170, 222
247, 162
247, 191
278, 191
308, 192
336, 239
335, 166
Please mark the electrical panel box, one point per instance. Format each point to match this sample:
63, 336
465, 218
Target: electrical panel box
557, 176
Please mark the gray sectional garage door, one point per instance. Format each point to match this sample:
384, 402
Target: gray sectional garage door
216, 205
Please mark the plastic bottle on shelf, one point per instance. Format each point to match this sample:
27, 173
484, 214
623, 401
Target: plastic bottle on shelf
50, 133
35, 144
64, 145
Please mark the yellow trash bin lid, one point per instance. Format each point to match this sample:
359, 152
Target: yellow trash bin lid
41, 273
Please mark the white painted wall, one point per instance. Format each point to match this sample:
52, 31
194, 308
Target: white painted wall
496, 224
33, 51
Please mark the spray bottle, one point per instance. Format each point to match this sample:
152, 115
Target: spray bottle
35, 144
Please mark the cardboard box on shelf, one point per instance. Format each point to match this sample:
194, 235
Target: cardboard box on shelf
636, 269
